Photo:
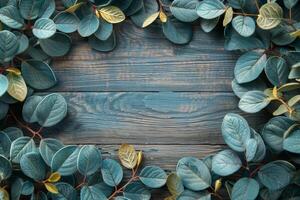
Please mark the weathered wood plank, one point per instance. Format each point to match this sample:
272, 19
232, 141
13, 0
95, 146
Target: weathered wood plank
145, 60
147, 117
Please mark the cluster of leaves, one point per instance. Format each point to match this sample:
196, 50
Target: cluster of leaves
255, 166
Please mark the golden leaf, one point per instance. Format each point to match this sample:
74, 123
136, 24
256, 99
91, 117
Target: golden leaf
128, 156
112, 14
174, 184
139, 158
51, 188
295, 33
150, 19
218, 185
270, 16
163, 17
275, 92
4, 194
16, 87
228, 16
54, 177
73, 8
14, 70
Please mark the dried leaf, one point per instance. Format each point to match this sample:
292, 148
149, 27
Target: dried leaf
128, 156
54, 177
228, 16
14, 70
51, 188
150, 19
112, 14
163, 17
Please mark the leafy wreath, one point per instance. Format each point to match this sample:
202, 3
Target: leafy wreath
260, 164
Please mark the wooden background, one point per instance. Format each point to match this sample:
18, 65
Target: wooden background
165, 99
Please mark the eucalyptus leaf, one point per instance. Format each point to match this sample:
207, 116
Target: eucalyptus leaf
291, 143
245, 188
277, 70
208, 25
91, 193
149, 7
88, 25
44, 28
244, 25
185, 10
103, 46
226, 163
254, 101
270, 16
33, 166
66, 22
13, 133
5, 168
10, 17
48, 147
57, 45
30, 9
3, 84
9, 46
20, 147
209, 9
112, 172
89, 160
136, 190
104, 31
153, 177
66, 192
5, 144
29, 108
177, 32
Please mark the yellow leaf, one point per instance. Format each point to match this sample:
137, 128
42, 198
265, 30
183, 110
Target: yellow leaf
228, 16
73, 8
112, 14
295, 33
174, 184
54, 177
275, 92
14, 70
16, 87
139, 158
270, 16
163, 17
218, 185
150, 19
128, 156
4, 194
51, 188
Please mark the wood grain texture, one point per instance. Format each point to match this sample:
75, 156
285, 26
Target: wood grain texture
147, 117
145, 60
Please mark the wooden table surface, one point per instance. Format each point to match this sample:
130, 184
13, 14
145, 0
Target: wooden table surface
165, 99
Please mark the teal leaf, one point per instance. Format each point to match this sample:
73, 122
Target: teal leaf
91, 193
249, 66
44, 28
135, 6
226, 163
245, 188
241, 89
254, 101
275, 175
208, 25
23, 42
51, 110
261, 147
5, 168
9, 46
10, 16
38, 74
191, 195
69, 3
149, 7
3, 109
244, 25
13, 133
112, 172
48, 147
29, 108
57, 45
177, 32
153, 177
5, 144
27, 188
88, 25
281, 35
237, 4
33, 166
66, 22
47, 9
16, 188
30, 9
3, 84
292, 141
251, 148
274, 130
235, 131
64, 160
104, 31
194, 173
266, 194
103, 46
20, 147
290, 3
185, 10
89, 160
136, 191
65, 192
209, 9
277, 70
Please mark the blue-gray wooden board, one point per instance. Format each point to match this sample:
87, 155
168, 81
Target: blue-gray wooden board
167, 100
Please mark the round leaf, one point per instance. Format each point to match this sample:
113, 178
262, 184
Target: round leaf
65, 191
30, 9
208, 25
244, 25
254, 101
277, 71
13, 133
103, 46
245, 188
291, 143
17, 87
104, 31
3, 84
177, 32
9, 46
270, 15
89, 160
5, 168
44, 28
91, 193
112, 14
149, 7
29, 108
5, 144
48, 147
57, 45
153, 177
10, 17
226, 163
128, 156
20, 147
136, 190
209, 9
66, 22
33, 166
88, 25
112, 172
185, 10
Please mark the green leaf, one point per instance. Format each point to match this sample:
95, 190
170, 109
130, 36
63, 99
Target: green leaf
23, 42
275, 175
48, 147
112, 172
103, 46
177, 32
208, 25
4, 107
153, 177
249, 66
13, 133
277, 71
135, 6
51, 110
69, 3
295, 71
17, 87
290, 3
91, 193
33, 166
244, 25
174, 184
3, 84
270, 16
44, 28
209, 9
11, 17
64, 160
149, 8
226, 163
291, 143
235, 131
5, 168
38, 74
136, 190
66, 22
245, 188
241, 89
30, 9
65, 192
104, 31
185, 10
29, 108
9, 46
5, 144
194, 173
89, 160
88, 25
20, 147
254, 101
57, 45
